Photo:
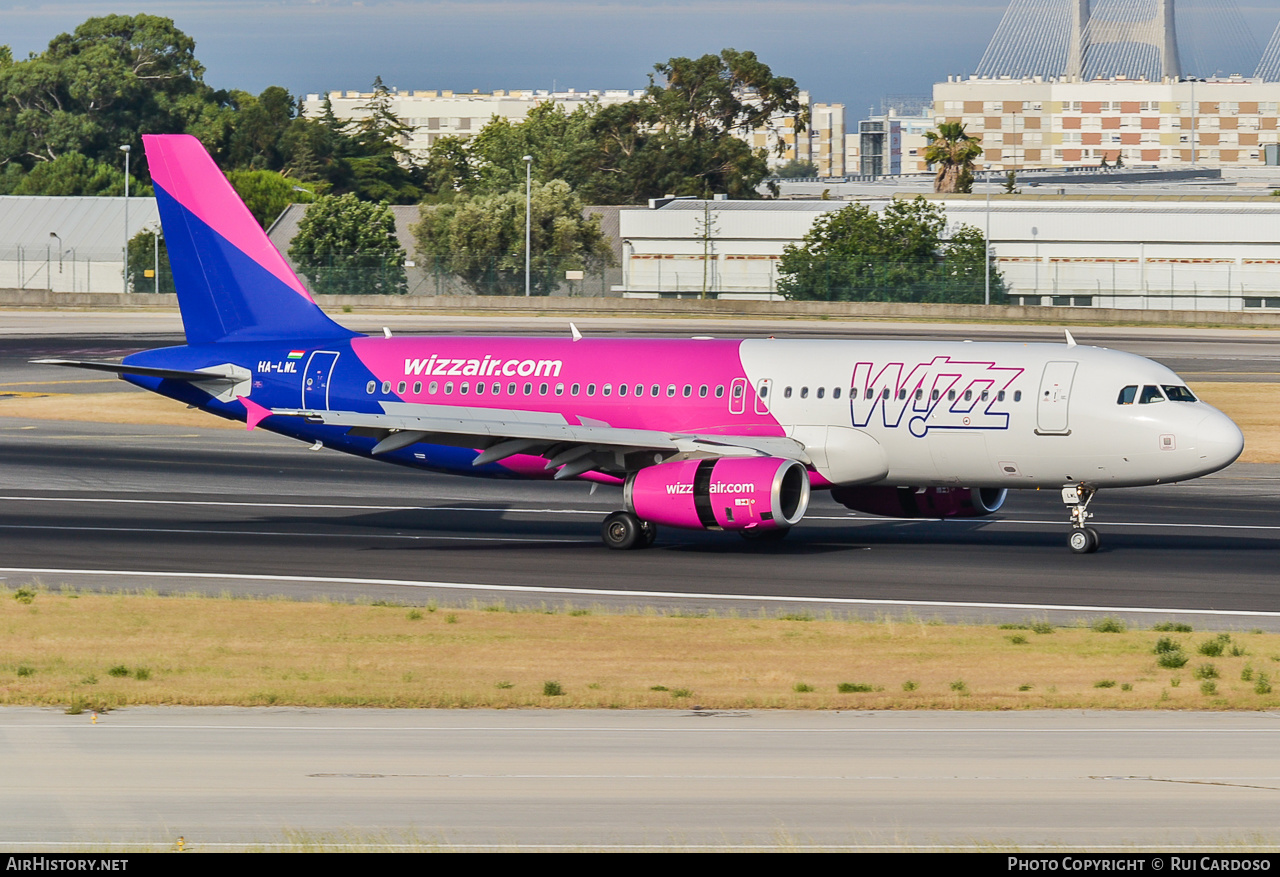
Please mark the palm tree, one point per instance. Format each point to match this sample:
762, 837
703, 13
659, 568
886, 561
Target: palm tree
952, 152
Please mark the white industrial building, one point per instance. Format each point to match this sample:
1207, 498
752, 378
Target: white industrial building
69, 244
1131, 250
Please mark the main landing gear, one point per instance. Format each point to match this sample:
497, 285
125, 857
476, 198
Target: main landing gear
623, 530
1083, 539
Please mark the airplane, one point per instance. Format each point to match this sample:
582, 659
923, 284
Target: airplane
710, 434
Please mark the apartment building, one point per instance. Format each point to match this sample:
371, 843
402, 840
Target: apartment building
1038, 122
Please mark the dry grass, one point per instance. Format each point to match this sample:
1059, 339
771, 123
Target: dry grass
61, 648
134, 406
1256, 409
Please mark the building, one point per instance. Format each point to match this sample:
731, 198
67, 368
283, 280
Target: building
436, 114
890, 144
1035, 122
69, 244
1104, 249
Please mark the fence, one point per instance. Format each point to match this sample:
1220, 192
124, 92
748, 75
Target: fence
56, 270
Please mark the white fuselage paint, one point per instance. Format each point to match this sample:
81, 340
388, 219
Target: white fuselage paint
1059, 421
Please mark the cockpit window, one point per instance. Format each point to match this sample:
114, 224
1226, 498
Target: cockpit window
1127, 395
1151, 394
1179, 394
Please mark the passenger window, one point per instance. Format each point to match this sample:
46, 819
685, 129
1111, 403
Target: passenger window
1017, 395
591, 389
575, 389
1150, 394
737, 391
417, 388
919, 393
370, 387
448, 388
671, 390
786, 394
853, 393
935, 394
835, 393
606, 390
463, 388
821, 392
542, 389
559, 389
720, 391
622, 389
1179, 394
655, 391
479, 388
386, 387
702, 391
884, 394
511, 388
1127, 395
433, 387
968, 395
401, 387
804, 392
688, 390
528, 389
1000, 396
951, 395
902, 392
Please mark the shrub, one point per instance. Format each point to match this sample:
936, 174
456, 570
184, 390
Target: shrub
1042, 627
1017, 639
1165, 645
119, 671
1211, 648
1263, 685
26, 670
802, 688
550, 688
24, 595
910, 686
959, 685
855, 687
1110, 624
1172, 627
1205, 671
1105, 683
1208, 687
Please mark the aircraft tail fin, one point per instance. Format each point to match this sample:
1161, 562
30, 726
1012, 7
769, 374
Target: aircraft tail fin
232, 283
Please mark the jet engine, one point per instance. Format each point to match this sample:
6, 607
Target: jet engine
725, 493
928, 502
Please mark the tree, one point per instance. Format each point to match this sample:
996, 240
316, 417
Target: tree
99, 87
796, 169
144, 251
953, 152
345, 246
481, 239
267, 193
900, 254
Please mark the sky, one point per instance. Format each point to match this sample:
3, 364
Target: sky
853, 52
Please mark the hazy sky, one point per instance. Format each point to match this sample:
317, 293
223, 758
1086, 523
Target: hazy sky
852, 52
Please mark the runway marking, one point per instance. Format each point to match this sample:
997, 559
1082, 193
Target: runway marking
609, 592
592, 512
293, 534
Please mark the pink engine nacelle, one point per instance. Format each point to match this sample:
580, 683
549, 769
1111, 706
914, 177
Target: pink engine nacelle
726, 493
929, 502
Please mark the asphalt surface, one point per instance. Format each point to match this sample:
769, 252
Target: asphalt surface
655, 780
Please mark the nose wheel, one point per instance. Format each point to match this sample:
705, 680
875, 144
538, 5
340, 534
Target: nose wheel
1083, 539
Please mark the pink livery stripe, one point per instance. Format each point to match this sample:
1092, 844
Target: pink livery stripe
181, 166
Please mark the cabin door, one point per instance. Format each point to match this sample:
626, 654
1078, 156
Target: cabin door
1055, 398
316, 378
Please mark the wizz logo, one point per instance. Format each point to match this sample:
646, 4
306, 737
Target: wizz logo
939, 394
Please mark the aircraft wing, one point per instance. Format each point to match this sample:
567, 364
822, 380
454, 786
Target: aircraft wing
572, 448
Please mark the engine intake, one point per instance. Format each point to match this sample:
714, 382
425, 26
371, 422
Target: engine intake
931, 502
725, 493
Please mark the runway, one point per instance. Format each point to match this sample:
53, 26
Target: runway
178, 510
652, 780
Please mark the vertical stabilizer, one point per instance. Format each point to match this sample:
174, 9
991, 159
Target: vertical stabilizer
232, 282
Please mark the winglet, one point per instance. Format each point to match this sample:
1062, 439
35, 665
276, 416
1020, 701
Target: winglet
1071, 342
254, 413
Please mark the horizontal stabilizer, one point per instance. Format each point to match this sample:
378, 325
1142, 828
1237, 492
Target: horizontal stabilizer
121, 369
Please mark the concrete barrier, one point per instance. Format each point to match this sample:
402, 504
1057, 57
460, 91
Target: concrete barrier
686, 308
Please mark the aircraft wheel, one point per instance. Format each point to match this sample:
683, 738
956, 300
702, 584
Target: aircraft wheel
622, 530
1083, 541
648, 534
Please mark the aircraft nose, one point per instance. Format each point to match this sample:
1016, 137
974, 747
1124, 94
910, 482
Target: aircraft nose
1218, 440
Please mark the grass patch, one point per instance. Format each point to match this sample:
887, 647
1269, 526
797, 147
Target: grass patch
198, 651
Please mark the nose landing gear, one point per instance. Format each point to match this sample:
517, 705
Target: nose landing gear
1083, 539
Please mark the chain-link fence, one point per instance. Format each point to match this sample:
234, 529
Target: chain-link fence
441, 276
61, 270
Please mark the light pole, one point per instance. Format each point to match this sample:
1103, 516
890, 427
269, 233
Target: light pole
986, 252
48, 281
125, 150
528, 204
